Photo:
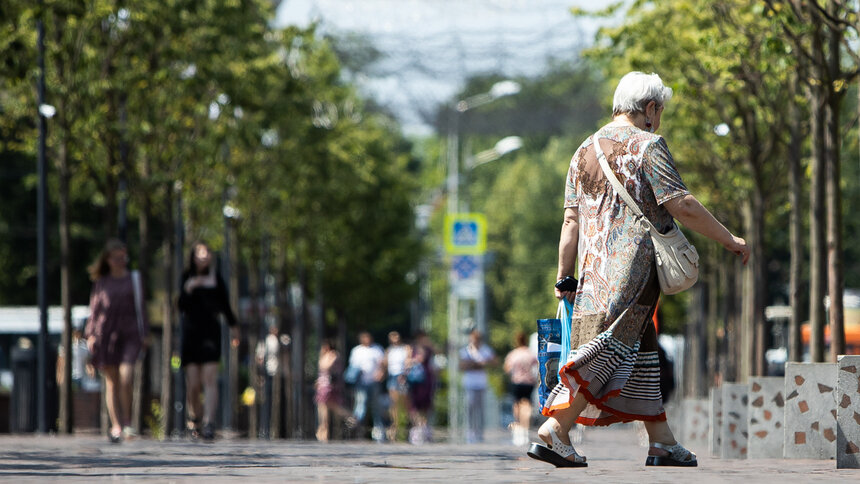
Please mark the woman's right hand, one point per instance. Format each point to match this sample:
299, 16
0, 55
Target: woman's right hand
739, 247
190, 284
91, 343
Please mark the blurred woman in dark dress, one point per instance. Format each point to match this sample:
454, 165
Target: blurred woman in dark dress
202, 300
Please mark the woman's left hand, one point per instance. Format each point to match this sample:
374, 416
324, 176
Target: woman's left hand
569, 295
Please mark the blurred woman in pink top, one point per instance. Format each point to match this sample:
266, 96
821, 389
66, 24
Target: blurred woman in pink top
521, 365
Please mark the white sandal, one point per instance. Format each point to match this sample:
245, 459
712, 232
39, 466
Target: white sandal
557, 453
678, 456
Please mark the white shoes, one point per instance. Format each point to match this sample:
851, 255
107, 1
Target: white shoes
519, 435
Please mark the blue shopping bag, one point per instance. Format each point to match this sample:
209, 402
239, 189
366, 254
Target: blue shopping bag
553, 348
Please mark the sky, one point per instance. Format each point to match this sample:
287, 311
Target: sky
429, 47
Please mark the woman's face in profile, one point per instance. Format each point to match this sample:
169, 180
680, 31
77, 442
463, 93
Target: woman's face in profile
202, 256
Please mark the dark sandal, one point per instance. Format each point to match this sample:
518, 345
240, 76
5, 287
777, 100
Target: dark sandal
556, 455
678, 456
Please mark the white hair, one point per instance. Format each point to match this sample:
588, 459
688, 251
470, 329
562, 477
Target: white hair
636, 89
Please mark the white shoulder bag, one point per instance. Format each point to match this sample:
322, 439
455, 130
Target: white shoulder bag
677, 259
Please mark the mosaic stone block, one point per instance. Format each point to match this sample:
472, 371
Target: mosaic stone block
766, 415
848, 412
715, 417
735, 434
694, 433
810, 411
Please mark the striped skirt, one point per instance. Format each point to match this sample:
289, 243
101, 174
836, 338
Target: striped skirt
615, 365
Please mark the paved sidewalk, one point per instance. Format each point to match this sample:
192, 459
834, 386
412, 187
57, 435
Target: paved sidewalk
614, 456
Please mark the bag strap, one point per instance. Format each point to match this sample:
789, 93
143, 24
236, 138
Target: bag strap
619, 188
138, 300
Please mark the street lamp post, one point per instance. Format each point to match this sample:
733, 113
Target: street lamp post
501, 148
45, 111
500, 89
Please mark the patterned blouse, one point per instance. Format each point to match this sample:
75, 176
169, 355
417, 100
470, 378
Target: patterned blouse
615, 256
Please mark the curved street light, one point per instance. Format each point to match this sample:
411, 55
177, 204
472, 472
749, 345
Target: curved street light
501, 148
498, 90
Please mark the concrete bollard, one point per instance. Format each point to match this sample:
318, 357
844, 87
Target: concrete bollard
715, 418
766, 415
734, 436
810, 411
694, 433
848, 412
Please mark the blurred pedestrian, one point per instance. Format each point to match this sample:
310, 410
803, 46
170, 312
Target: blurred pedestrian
328, 391
395, 364
612, 372
202, 301
268, 353
421, 378
475, 357
116, 332
366, 358
521, 365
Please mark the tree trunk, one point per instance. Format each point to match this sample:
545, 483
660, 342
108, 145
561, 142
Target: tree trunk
713, 363
253, 341
749, 324
759, 289
142, 378
817, 248
284, 378
167, 410
795, 181
66, 421
299, 302
734, 309
694, 368
234, 303
835, 279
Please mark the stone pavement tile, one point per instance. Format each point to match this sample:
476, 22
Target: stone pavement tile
848, 413
735, 434
766, 417
715, 427
695, 425
613, 453
810, 410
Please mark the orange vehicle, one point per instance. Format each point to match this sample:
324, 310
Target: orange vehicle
852, 332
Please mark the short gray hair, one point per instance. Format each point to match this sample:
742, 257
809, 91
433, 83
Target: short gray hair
636, 89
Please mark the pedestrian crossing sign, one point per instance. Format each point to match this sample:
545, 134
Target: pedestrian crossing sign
465, 233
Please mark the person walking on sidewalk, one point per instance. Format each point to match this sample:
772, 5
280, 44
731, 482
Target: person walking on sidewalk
116, 331
366, 358
521, 364
612, 372
422, 387
474, 360
328, 391
202, 300
396, 384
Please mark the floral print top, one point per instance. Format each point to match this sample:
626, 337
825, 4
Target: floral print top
615, 256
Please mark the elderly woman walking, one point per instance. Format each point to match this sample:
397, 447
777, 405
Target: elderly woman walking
612, 373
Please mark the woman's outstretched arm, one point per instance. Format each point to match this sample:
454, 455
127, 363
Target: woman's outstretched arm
693, 215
